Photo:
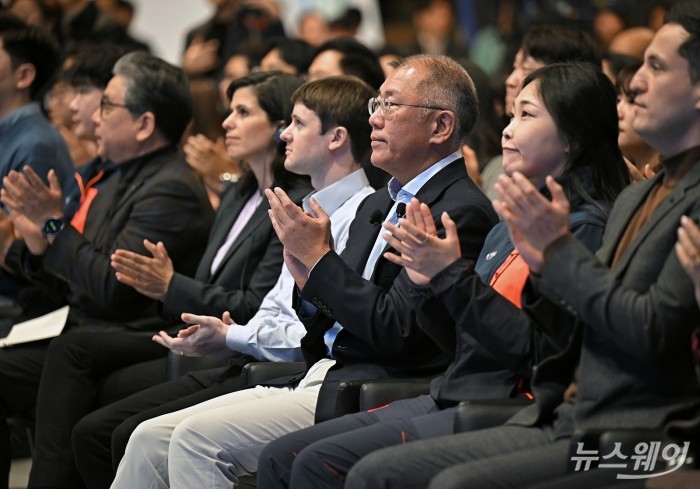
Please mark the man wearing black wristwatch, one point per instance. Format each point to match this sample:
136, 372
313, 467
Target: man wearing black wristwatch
153, 196
52, 226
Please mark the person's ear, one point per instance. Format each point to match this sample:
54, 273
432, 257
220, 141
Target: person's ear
444, 127
339, 136
147, 126
24, 75
571, 148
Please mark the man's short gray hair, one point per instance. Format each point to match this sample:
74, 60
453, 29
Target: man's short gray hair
153, 85
446, 84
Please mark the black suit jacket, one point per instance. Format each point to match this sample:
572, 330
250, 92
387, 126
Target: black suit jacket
380, 336
634, 322
248, 271
158, 198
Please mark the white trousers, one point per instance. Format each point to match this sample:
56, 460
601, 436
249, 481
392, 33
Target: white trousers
213, 443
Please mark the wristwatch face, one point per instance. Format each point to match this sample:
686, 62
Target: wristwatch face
53, 226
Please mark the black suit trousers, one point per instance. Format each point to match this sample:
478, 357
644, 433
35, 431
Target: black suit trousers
21, 367
83, 365
100, 438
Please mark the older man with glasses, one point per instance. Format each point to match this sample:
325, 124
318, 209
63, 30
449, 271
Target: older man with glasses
154, 196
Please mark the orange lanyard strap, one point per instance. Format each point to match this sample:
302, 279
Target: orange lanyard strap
84, 188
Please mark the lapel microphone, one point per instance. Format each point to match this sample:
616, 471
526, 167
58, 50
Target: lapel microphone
376, 217
400, 210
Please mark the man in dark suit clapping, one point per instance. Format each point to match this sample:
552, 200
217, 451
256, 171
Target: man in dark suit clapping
155, 196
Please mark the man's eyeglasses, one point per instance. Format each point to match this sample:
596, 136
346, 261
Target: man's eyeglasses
106, 105
386, 106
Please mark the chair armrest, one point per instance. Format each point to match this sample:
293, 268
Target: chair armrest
362, 395
603, 440
347, 397
478, 415
380, 392
255, 373
629, 438
179, 365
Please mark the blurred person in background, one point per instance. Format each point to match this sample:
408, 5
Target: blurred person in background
313, 28
43, 14
626, 48
325, 17
607, 23
434, 24
643, 160
291, 56
82, 21
388, 55
234, 23
57, 105
207, 154
28, 60
347, 24
120, 10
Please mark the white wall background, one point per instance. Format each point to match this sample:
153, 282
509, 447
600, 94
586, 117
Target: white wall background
164, 23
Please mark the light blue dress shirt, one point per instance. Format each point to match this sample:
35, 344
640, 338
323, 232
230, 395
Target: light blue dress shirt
398, 194
275, 332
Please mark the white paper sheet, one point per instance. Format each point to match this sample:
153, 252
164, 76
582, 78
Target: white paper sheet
47, 326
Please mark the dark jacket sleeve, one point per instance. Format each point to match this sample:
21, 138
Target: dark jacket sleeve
510, 334
636, 320
244, 278
186, 294
165, 210
492, 320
